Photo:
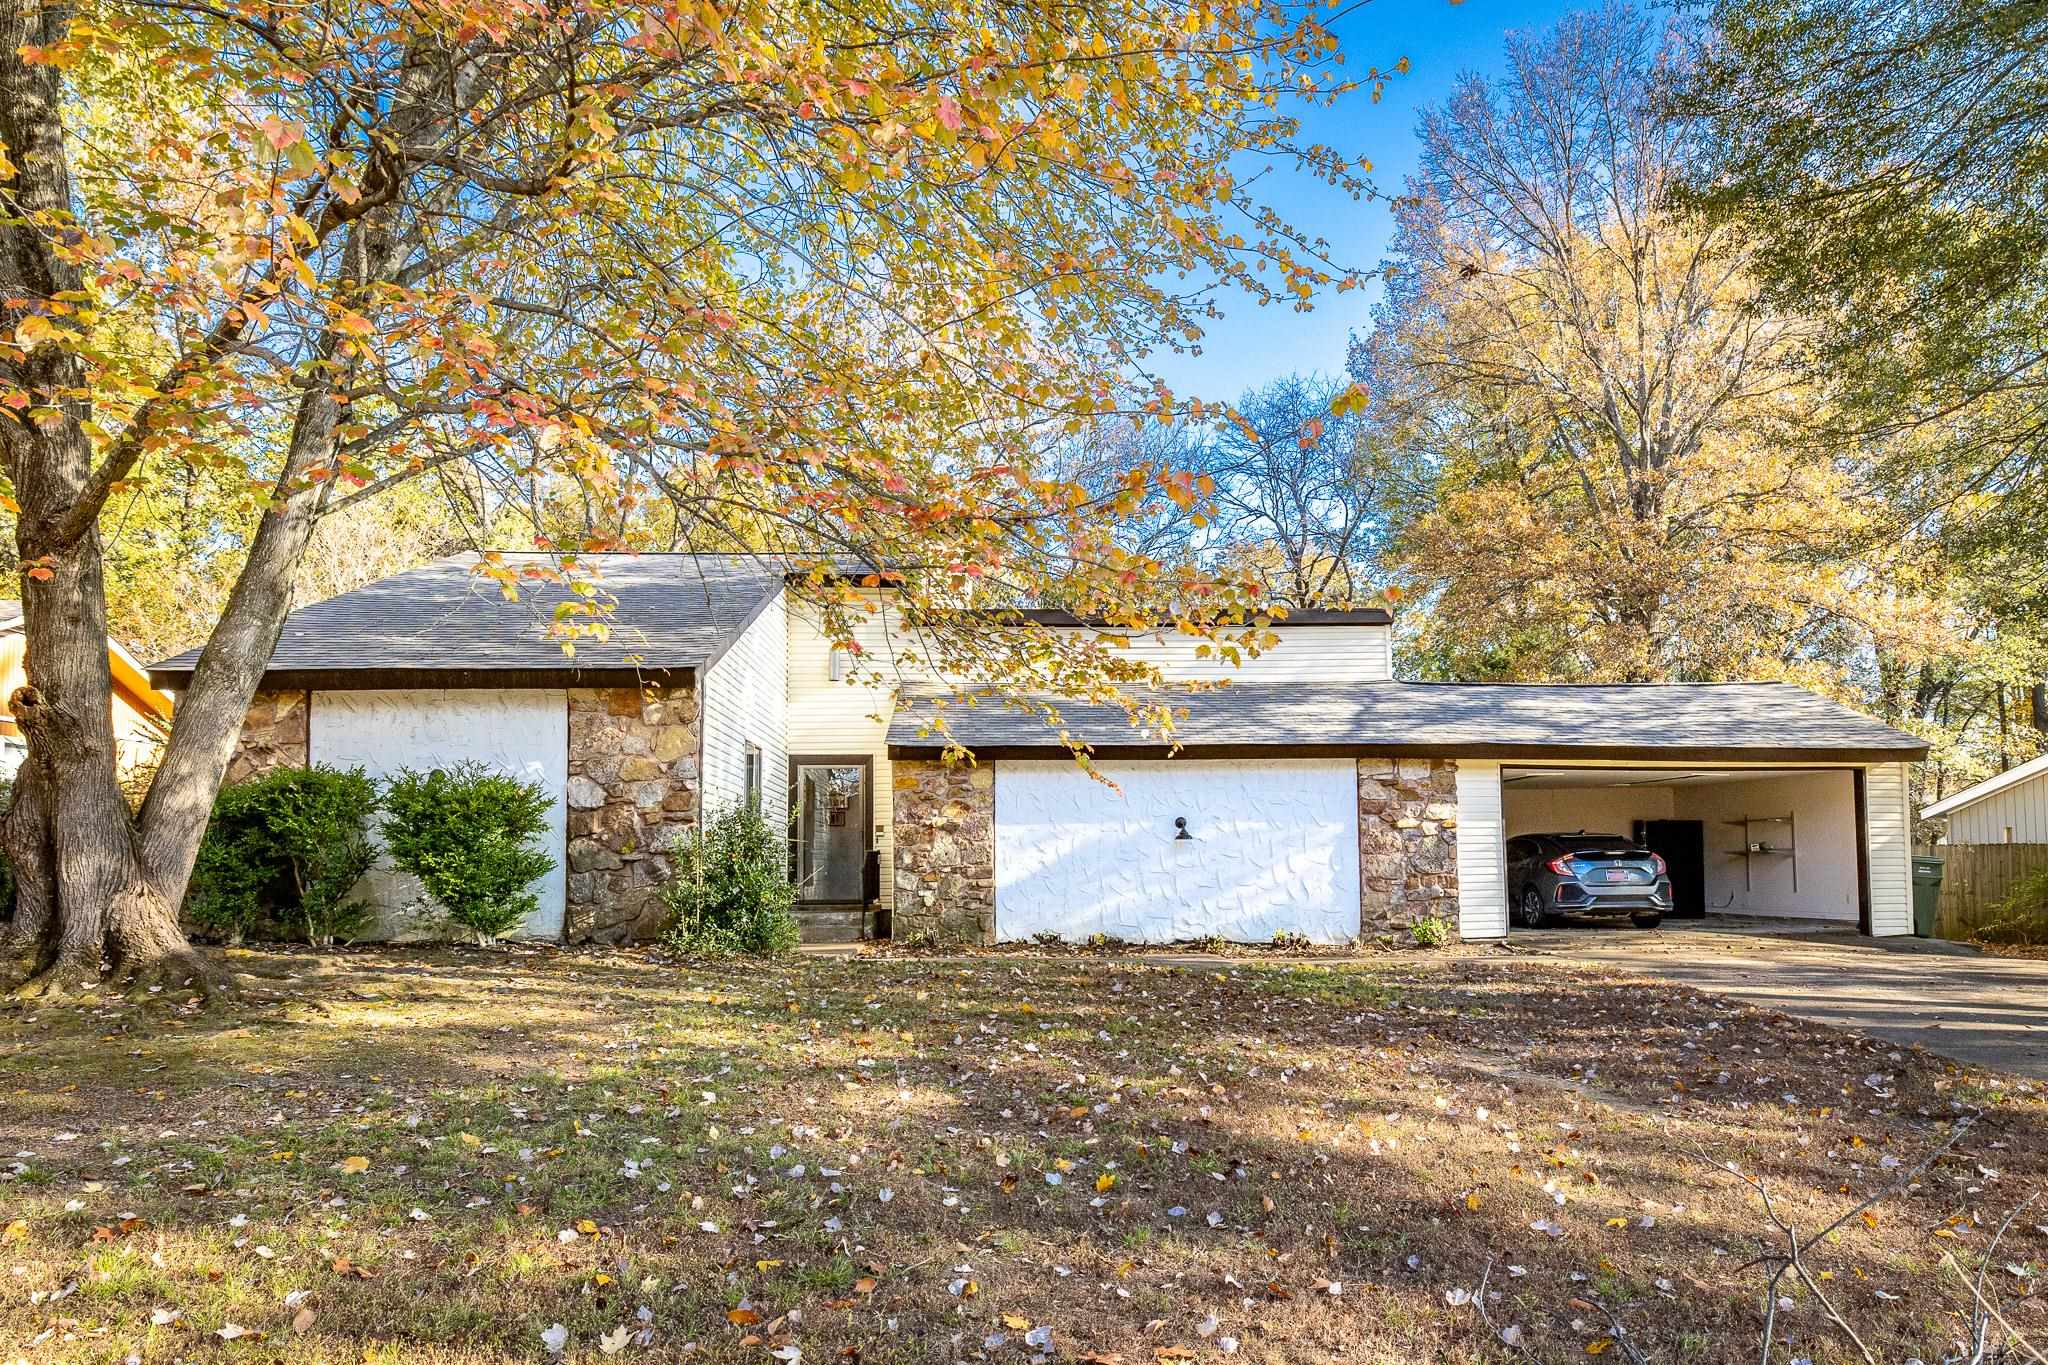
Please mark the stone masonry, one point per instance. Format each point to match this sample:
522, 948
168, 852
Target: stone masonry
945, 830
1407, 842
275, 735
632, 793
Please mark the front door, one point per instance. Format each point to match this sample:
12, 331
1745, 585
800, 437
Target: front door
830, 800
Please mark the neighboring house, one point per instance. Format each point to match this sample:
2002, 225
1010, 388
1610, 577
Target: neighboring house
142, 714
2011, 808
1314, 796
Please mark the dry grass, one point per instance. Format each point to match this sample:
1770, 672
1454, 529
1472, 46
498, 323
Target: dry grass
438, 1155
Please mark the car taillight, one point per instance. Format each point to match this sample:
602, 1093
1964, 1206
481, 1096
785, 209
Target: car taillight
1657, 861
1562, 865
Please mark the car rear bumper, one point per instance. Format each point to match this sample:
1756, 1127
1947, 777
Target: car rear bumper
1573, 898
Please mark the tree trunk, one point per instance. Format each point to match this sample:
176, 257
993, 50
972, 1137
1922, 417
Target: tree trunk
88, 901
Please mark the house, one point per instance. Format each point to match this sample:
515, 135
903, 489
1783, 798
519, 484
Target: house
142, 714
2011, 808
1312, 796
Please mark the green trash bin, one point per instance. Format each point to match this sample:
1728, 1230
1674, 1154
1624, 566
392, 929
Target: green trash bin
1926, 894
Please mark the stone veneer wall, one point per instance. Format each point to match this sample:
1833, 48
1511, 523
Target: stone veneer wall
945, 832
632, 792
1407, 842
275, 734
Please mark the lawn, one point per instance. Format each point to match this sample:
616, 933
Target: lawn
457, 1156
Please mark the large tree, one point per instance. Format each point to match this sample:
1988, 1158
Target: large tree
815, 279
1601, 412
1293, 495
1888, 159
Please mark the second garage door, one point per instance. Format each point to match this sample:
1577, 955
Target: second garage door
525, 733
1270, 847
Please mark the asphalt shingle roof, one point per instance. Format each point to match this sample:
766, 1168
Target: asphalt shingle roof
435, 623
1725, 721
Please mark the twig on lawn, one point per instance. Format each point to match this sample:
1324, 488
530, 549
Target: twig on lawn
1982, 1313
1792, 1258
1479, 1302
1620, 1330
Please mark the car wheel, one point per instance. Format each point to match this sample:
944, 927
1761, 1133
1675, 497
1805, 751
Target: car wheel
1649, 921
1532, 908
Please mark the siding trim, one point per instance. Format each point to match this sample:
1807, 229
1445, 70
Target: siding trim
1888, 836
1482, 852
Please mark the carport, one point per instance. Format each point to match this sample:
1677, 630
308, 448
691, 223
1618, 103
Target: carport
1785, 842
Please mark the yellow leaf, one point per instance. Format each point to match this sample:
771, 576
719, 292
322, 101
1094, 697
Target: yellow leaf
472, 1140
1598, 1345
1472, 1201
1617, 1222
1105, 1182
586, 1227
765, 1266
352, 1165
16, 1231
1015, 1323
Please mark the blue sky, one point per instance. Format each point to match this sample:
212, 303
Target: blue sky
1251, 345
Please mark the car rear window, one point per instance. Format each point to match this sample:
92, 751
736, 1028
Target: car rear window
1608, 845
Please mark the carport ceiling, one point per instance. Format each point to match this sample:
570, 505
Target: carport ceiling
1524, 779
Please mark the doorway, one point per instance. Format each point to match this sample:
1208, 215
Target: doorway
832, 810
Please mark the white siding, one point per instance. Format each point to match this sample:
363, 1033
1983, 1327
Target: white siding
1271, 847
522, 732
744, 700
840, 719
1888, 823
2017, 815
1482, 852
1304, 654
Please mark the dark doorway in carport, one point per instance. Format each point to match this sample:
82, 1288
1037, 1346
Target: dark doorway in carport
1682, 844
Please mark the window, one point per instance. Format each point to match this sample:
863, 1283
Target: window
753, 779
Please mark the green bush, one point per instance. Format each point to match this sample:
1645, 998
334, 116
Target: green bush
1431, 931
730, 893
465, 832
284, 851
2022, 917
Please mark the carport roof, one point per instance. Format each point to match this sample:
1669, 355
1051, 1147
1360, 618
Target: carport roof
442, 625
1702, 722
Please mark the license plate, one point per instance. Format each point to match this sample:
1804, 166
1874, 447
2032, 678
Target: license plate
1615, 874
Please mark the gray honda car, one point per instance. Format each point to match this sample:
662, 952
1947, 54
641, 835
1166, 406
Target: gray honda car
1553, 875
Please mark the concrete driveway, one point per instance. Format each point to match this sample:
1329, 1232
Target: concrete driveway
1988, 1011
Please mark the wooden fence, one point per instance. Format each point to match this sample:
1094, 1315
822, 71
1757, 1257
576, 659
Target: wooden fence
1975, 878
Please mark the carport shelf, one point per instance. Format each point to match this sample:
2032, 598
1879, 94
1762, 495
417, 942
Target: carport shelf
1749, 854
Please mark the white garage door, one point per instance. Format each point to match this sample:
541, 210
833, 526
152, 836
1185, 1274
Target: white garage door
1273, 846
525, 733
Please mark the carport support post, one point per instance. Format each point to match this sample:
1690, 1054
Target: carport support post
1482, 852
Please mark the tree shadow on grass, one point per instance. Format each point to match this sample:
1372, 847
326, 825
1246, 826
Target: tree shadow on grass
1112, 1152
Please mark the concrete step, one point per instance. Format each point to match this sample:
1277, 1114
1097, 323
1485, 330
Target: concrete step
833, 924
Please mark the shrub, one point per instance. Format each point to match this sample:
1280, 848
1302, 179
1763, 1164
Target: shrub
1431, 931
464, 831
2022, 917
731, 893
286, 849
